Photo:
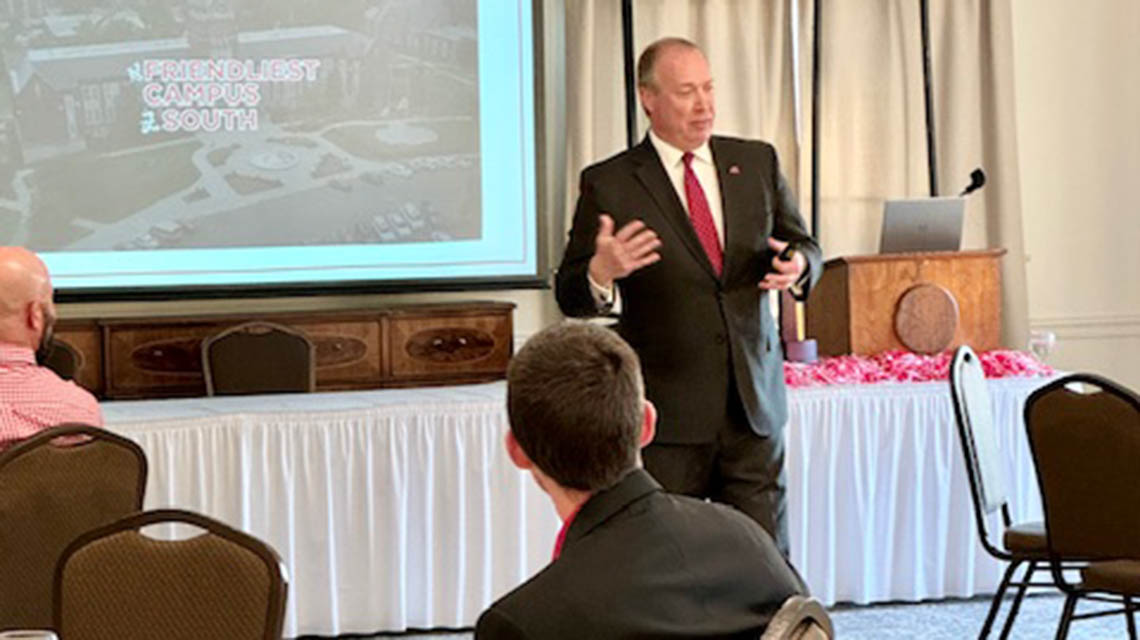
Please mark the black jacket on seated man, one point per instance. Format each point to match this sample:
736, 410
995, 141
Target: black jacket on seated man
640, 563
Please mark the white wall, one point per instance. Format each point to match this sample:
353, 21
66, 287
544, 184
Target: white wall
1077, 75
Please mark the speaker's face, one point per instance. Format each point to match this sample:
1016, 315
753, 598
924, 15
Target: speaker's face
680, 103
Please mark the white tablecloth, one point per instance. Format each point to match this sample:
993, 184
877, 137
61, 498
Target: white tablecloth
390, 509
399, 509
879, 503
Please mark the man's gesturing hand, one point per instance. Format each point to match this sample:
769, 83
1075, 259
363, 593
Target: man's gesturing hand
616, 255
784, 273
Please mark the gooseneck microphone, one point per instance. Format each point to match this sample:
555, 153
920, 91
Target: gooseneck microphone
977, 181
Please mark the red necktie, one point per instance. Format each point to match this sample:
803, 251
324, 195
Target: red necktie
701, 215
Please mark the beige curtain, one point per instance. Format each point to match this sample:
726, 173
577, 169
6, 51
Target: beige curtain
749, 46
872, 116
595, 85
873, 125
972, 62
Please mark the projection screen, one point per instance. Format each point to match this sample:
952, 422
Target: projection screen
221, 145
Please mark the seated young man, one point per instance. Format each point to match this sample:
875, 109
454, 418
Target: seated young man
631, 560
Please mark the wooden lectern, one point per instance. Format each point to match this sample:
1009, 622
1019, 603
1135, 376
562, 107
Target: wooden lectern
922, 302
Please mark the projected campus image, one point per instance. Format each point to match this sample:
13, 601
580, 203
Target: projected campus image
170, 124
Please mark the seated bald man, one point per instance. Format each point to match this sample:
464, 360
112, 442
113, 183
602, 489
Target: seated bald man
32, 397
631, 561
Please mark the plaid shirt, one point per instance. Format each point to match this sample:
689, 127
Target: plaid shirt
33, 398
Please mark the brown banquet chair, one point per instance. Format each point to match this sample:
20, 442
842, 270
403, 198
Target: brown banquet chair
1021, 543
63, 359
1084, 431
258, 357
50, 492
118, 582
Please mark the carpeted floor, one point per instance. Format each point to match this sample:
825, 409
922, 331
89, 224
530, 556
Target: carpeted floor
962, 619
942, 620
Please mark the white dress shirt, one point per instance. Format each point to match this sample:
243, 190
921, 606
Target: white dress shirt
705, 171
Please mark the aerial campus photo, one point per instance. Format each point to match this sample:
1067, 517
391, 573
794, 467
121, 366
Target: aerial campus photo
154, 124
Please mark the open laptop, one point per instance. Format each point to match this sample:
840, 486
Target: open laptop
925, 224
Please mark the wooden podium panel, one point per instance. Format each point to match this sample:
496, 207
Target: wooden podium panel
855, 307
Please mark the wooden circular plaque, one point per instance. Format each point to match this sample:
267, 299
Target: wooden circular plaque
926, 318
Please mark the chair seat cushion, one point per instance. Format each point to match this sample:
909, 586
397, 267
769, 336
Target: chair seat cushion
1116, 576
1026, 538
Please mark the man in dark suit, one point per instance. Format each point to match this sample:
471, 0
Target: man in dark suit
701, 221
631, 561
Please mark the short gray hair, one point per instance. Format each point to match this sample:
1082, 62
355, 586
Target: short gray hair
648, 59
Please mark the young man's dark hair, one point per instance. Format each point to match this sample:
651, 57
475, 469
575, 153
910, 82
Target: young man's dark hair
575, 403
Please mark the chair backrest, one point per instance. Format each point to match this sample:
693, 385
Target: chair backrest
800, 618
973, 413
258, 357
1084, 431
50, 492
116, 582
63, 359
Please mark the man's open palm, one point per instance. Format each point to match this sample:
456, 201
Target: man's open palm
616, 255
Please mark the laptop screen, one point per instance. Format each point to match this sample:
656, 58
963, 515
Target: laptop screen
924, 224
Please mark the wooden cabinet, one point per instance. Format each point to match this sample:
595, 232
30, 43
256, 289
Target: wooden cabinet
86, 343
408, 345
425, 347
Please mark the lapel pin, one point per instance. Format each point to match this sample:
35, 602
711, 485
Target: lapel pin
734, 170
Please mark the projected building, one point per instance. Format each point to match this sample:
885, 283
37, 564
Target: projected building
22, 9
427, 66
211, 28
68, 99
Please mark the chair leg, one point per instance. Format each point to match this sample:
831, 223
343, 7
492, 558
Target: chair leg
1128, 612
985, 632
1066, 616
1013, 609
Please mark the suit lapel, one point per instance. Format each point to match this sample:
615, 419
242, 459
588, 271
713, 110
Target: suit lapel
653, 177
729, 170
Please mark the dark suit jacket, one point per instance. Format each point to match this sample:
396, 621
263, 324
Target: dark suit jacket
640, 563
695, 333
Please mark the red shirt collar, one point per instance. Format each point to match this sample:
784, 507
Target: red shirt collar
561, 539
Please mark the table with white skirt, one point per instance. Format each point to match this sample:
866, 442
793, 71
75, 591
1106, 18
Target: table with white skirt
398, 509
